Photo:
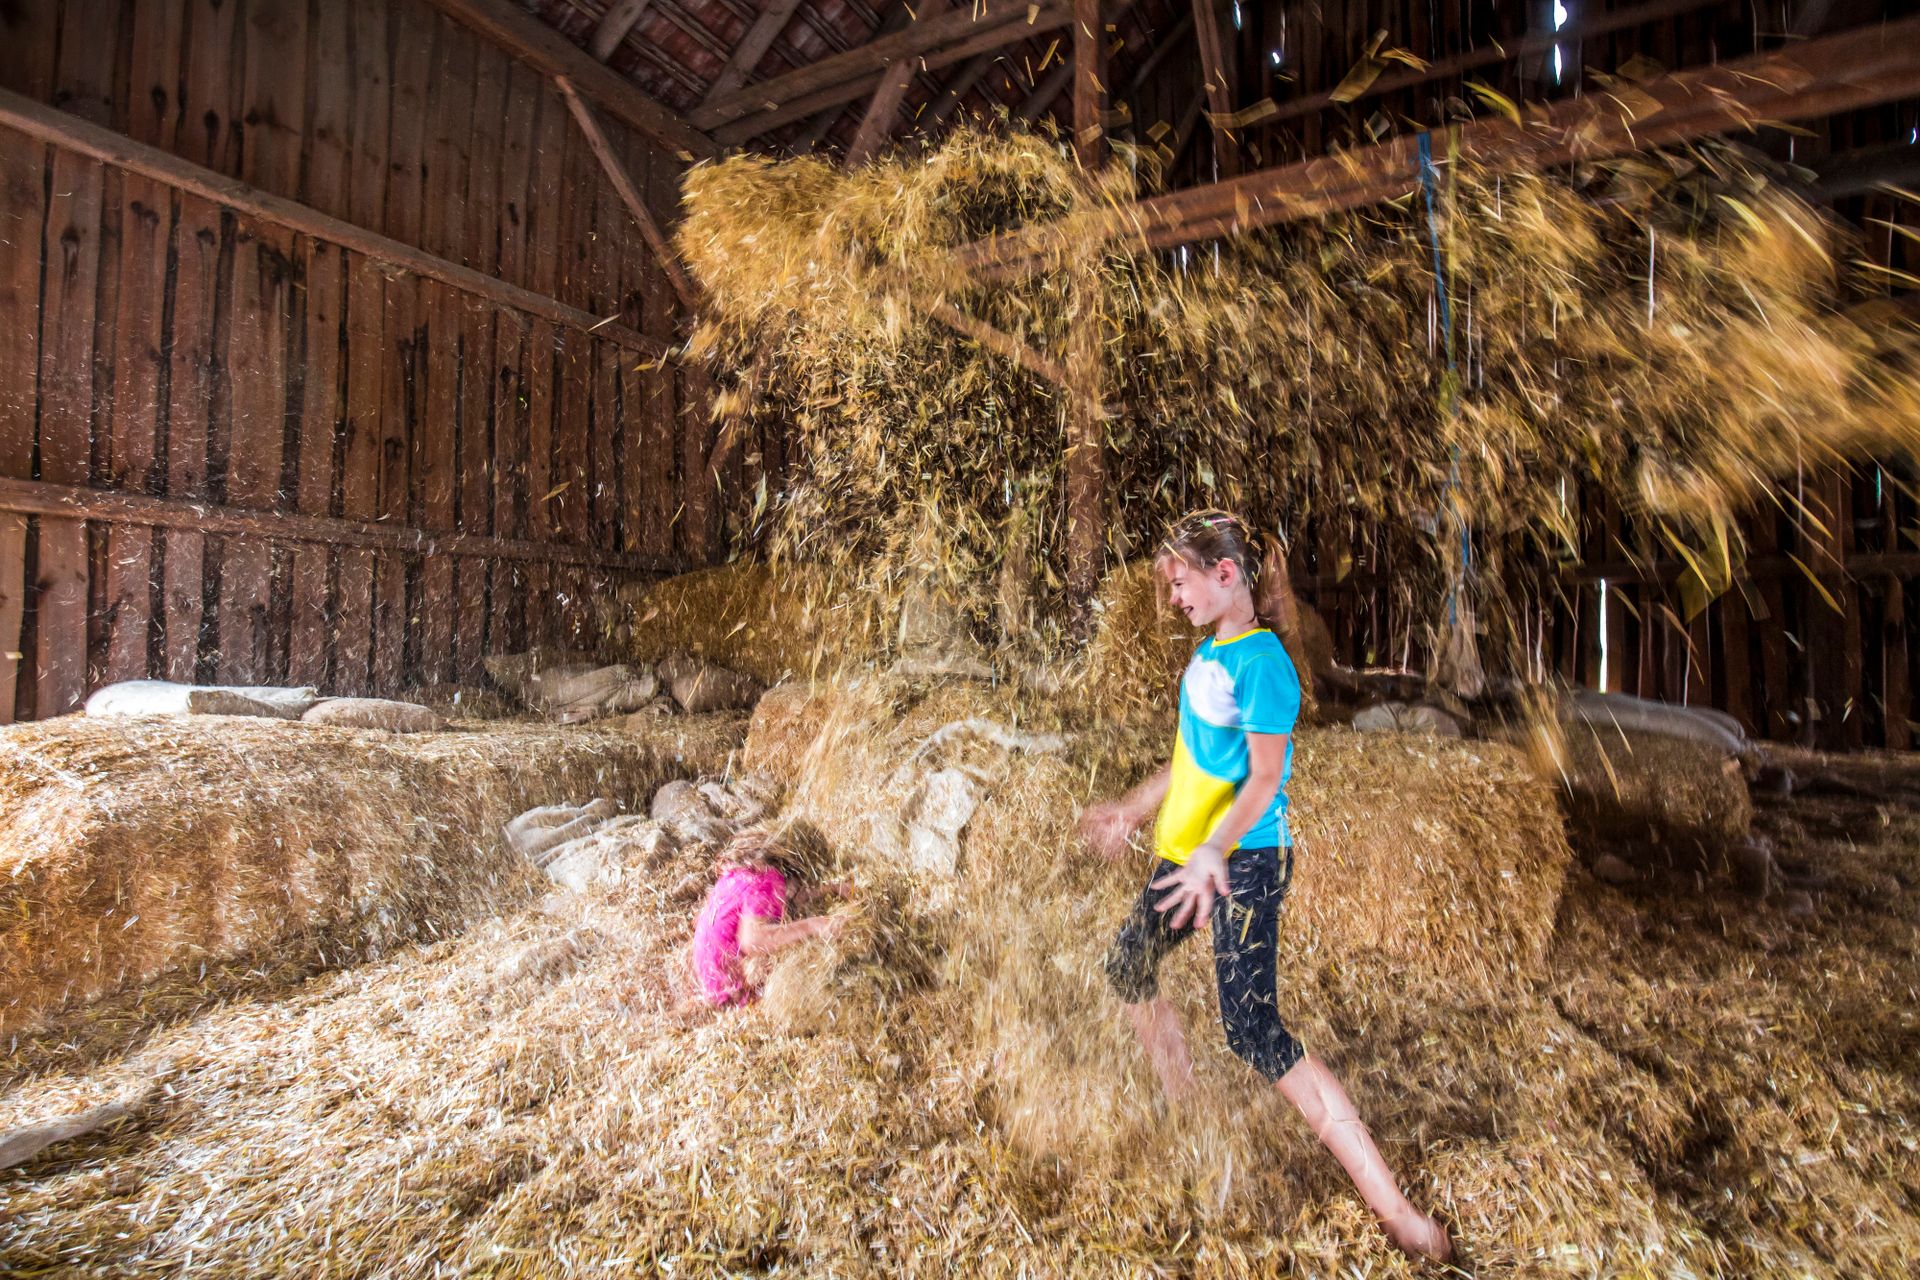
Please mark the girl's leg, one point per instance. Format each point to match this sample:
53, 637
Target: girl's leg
1329, 1112
1158, 1027
1133, 970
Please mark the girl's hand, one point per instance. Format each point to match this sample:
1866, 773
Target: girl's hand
1108, 828
1195, 887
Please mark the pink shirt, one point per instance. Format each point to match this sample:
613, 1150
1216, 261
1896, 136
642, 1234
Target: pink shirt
716, 938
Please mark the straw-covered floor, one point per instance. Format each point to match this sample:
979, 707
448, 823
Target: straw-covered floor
132, 847
1695, 1085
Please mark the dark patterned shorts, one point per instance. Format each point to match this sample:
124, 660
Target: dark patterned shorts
1246, 939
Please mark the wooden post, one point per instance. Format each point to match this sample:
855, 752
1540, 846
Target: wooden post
1214, 74
1089, 84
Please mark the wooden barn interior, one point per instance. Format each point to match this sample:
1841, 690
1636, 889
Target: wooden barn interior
398, 633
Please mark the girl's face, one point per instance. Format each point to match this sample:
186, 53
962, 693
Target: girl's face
1204, 595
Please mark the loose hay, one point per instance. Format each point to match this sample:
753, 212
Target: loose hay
1696, 1090
132, 847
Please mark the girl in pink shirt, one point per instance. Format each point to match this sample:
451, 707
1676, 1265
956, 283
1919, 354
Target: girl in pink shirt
745, 911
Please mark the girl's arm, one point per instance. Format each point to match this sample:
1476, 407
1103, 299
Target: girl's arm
759, 937
1109, 825
1205, 874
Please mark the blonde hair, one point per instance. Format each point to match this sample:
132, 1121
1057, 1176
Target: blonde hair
1205, 538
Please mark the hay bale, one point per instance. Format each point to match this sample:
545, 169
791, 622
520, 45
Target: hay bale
130, 848
1687, 798
1141, 645
711, 688
1426, 857
374, 713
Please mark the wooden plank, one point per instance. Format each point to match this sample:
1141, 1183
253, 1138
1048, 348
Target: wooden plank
133, 461
360, 470
436, 475
477, 382
604, 488
542, 47
509, 466
449, 138
1736, 658
191, 356
518, 140
326, 180
153, 82
1776, 702
635, 454
399, 418
71, 254
322, 422
28, 35
209, 123
83, 75
572, 479
256, 366
275, 98
544, 224
629, 193
694, 429
372, 111
1090, 84
538, 372
23, 177
752, 48
613, 27
659, 453
481, 246
416, 38
1896, 688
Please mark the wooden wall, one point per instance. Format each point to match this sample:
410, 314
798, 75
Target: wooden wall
156, 343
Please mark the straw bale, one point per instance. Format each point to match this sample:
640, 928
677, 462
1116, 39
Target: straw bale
374, 713
1420, 856
1688, 799
134, 847
1141, 645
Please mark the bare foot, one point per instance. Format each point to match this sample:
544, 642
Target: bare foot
1419, 1236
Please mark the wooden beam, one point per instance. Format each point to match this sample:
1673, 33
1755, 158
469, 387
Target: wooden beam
956, 90
75, 135
619, 19
629, 194
545, 49
1181, 32
940, 40
1048, 90
1820, 77
1493, 54
1090, 84
1213, 73
876, 125
752, 48
112, 506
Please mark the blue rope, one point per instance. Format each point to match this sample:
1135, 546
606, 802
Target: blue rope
1452, 388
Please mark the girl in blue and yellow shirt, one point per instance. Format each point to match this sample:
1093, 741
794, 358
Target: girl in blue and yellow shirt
1221, 832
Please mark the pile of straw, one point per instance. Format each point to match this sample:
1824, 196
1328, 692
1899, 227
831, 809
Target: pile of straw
1696, 1088
134, 847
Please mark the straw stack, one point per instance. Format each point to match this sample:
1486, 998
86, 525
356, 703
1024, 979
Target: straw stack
131, 847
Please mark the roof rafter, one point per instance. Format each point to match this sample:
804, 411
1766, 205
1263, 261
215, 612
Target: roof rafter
939, 40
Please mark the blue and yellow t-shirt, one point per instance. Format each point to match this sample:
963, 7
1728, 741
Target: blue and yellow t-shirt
1231, 688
